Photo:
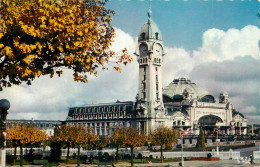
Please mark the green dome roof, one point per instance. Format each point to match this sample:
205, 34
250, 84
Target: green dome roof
150, 30
176, 88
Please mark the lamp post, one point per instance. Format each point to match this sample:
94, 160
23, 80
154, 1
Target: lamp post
182, 159
252, 129
239, 124
217, 140
4, 106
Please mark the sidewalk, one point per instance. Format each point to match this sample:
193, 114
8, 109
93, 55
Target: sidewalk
221, 163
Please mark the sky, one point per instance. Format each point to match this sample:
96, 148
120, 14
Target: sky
214, 43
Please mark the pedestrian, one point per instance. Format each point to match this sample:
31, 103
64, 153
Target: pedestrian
252, 160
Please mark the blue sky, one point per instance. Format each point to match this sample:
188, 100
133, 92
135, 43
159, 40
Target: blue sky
182, 23
214, 43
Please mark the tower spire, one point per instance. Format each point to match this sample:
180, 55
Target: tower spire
149, 12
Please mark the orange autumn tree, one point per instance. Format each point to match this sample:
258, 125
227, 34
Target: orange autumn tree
23, 134
81, 138
74, 136
134, 138
42, 37
163, 136
117, 139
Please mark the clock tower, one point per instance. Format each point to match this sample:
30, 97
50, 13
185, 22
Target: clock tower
149, 52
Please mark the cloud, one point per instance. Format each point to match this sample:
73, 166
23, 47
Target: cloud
227, 60
176, 63
218, 45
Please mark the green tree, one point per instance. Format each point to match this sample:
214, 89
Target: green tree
201, 140
55, 151
163, 136
43, 37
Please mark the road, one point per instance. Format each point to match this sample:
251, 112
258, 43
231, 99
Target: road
246, 152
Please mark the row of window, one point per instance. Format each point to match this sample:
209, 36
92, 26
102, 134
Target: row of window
101, 124
156, 35
157, 60
99, 109
39, 125
143, 61
99, 116
178, 123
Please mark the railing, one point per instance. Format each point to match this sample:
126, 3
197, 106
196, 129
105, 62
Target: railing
204, 104
256, 154
222, 155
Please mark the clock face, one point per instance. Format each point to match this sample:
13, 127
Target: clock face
158, 50
143, 50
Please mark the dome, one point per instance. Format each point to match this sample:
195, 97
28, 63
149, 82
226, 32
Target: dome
150, 30
175, 90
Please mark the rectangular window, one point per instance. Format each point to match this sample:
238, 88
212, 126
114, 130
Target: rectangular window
144, 77
157, 87
156, 35
144, 95
144, 85
156, 69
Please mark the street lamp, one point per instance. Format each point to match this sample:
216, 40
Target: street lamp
4, 106
182, 159
217, 140
239, 124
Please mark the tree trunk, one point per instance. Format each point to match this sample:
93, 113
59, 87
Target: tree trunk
117, 148
132, 156
68, 154
78, 161
15, 150
161, 153
21, 155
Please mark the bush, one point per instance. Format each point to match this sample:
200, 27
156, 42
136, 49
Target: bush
127, 156
139, 156
106, 157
